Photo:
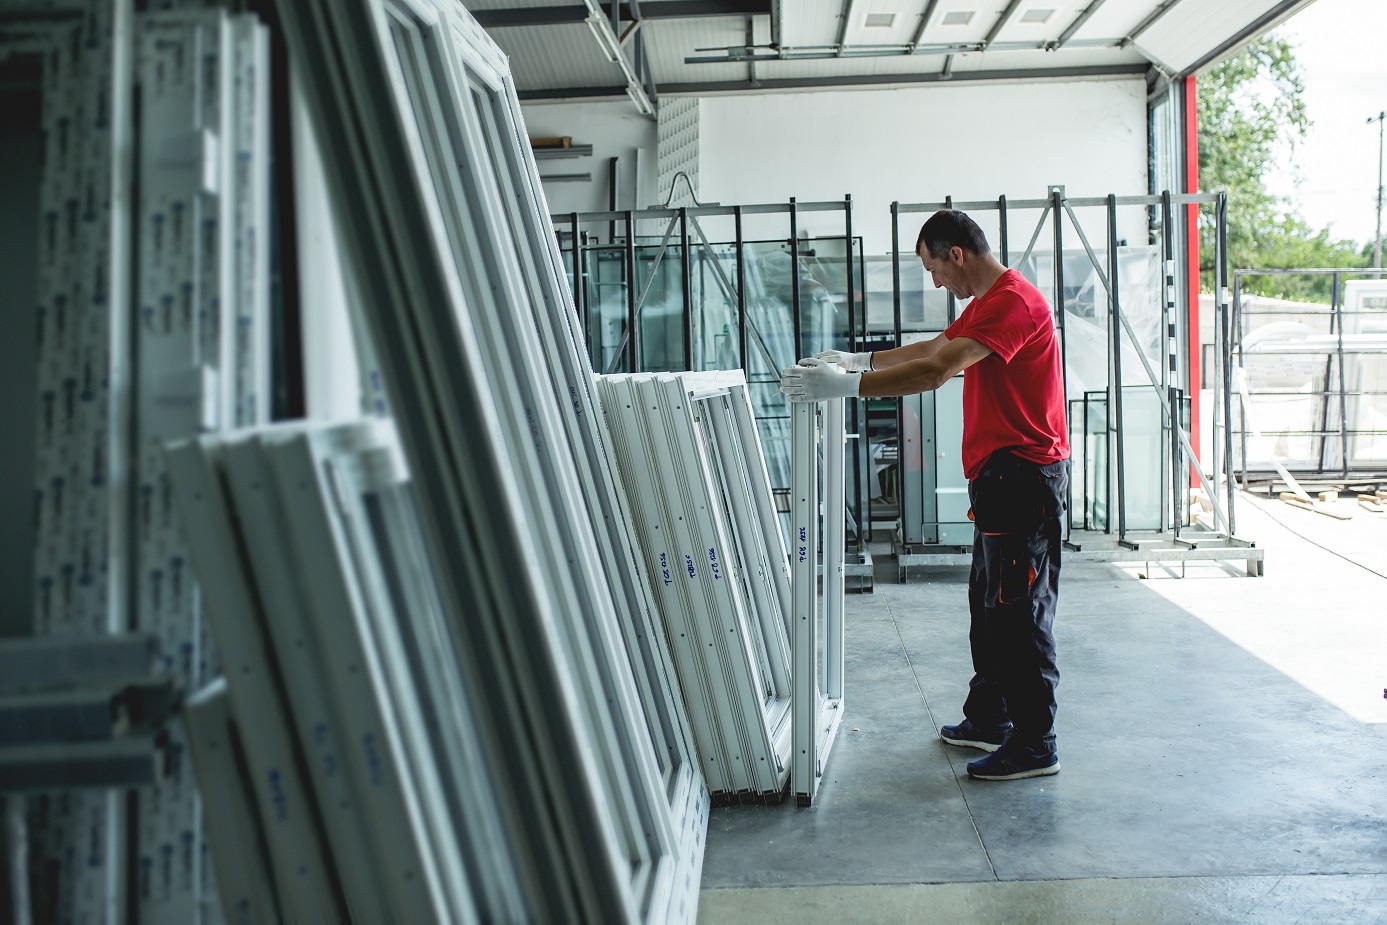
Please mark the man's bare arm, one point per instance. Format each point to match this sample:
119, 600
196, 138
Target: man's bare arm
885, 359
924, 374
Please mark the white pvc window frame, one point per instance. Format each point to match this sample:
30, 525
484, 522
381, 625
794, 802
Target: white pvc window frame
304, 881
706, 520
244, 882
817, 511
560, 342
243, 467
507, 528
327, 527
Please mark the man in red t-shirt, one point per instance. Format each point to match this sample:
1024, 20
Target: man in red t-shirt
1016, 458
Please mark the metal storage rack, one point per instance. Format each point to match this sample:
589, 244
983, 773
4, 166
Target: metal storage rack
699, 293
1176, 536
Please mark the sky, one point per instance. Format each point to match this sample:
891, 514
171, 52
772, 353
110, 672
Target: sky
1332, 178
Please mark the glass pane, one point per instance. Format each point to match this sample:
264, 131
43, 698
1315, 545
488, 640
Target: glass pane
1096, 452
1078, 466
1145, 449
661, 314
605, 297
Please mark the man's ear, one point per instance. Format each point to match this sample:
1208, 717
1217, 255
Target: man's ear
956, 255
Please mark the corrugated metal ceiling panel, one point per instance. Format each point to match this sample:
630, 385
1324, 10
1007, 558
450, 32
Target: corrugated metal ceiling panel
1043, 60
1117, 18
810, 22
559, 57
1189, 31
516, 4
934, 63
670, 41
556, 57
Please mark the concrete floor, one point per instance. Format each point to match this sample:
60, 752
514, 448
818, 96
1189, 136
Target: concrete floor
1223, 742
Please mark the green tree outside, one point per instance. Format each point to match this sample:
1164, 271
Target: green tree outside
1251, 116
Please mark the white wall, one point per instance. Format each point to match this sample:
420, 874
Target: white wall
614, 129
920, 144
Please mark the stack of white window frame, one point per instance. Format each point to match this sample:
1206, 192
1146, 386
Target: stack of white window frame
692, 464
817, 507
337, 664
201, 350
153, 298
81, 465
452, 264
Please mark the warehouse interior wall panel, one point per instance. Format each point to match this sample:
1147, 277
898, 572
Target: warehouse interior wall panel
614, 129
921, 144
906, 144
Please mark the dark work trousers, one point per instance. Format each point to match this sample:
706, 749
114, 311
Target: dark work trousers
1017, 509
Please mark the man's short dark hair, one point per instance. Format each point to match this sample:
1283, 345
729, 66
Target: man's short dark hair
949, 229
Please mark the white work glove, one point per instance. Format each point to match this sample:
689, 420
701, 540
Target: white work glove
852, 362
813, 379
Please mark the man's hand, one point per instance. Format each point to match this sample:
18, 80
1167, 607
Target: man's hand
852, 362
814, 379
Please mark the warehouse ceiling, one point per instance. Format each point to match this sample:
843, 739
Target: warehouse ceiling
644, 48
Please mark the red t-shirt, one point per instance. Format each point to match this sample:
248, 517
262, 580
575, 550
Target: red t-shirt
1015, 396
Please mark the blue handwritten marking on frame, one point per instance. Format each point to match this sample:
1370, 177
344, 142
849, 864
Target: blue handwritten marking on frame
664, 570
688, 562
713, 558
373, 759
277, 797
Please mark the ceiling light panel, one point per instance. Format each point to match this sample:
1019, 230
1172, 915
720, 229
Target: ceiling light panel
962, 21
1033, 21
878, 22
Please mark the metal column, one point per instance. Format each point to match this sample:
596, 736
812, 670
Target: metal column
1172, 348
687, 264
950, 300
577, 272
1343, 401
741, 288
1057, 208
1221, 214
794, 281
631, 337
1115, 419
1002, 233
857, 420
